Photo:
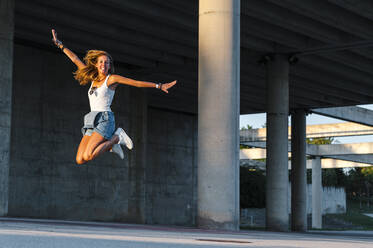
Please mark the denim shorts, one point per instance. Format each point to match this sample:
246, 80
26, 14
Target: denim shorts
99, 122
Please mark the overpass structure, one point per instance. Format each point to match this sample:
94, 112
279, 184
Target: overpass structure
320, 156
229, 56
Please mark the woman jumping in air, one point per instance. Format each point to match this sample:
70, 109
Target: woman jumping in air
99, 125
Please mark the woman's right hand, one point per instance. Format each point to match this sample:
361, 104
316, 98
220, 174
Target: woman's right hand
57, 42
72, 56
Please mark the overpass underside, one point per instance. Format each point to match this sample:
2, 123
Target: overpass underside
229, 57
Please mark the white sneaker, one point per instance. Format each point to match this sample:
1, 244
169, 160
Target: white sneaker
117, 150
123, 138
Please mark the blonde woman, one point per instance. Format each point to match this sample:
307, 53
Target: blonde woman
99, 124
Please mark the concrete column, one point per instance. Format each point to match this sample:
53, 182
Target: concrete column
6, 71
277, 216
298, 172
218, 114
316, 193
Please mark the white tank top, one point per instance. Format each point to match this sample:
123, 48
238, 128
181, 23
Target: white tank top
100, 98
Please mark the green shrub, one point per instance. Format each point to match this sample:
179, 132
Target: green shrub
252, 188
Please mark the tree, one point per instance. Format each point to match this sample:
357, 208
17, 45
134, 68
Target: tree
248, 127
355, 185
320, 141
367, 172
252, 188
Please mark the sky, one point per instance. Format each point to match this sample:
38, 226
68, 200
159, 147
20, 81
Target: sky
258, 120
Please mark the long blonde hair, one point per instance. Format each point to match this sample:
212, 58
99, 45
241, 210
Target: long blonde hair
89, 73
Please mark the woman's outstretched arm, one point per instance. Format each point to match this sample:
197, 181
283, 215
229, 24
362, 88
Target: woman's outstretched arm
72, 56
117, 79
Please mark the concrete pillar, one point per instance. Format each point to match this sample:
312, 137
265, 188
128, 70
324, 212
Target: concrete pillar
298, 172
316, 193
218, 114
6, 71
277, 216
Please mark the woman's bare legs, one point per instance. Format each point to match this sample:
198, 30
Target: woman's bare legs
98, 145
81, 149
94, 146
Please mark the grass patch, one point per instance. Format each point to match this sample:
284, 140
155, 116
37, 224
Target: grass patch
354, 217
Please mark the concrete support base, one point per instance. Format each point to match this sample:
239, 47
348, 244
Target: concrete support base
6, 81
218, 114
277, 217
298, 172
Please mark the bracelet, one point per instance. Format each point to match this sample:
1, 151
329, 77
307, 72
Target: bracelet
157, 86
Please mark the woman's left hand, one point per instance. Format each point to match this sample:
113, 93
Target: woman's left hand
57, 42
165, 87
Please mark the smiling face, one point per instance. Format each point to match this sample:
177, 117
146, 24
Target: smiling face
103, 65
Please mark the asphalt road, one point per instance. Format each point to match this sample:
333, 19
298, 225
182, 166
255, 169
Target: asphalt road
17, 233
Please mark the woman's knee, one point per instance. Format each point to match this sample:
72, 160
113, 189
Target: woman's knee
82, 157
80, 160
87, 155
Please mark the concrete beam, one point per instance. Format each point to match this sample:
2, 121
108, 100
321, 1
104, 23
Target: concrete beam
299, 23
360, 7
254, 153
75, 34
315, 33
22, 35
330, 93
257, 144
326, 163
90, 27
354, 65
257, 90
331, 15
252, 163
133, 21
346, 72
331, 90
317, 150
329, 163
189, 8
265, 30
163, 13
340, 149
332, 79
338, 130
312, 131
346, 58
358, 158
354, 114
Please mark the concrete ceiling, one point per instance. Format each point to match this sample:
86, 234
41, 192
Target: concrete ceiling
157, 40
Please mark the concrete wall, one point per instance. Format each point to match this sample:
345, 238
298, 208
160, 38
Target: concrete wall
6, 82
156, 183
171, 170
333, 200
47, 114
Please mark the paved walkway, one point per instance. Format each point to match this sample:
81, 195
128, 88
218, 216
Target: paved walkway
370, 215
17, 233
